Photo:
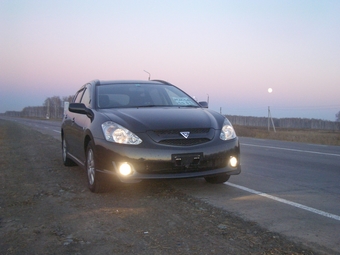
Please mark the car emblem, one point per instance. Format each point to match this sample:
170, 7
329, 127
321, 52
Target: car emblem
185, 134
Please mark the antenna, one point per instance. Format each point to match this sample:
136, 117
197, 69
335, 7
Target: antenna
148, 73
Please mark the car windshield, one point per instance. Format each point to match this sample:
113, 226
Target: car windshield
142, 95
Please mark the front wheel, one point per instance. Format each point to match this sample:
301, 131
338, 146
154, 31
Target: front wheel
96, 180
217, 179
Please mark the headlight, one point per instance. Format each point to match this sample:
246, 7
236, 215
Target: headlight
227, 131
118, 134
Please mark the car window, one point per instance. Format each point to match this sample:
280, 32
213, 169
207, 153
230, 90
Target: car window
141, 95
78, 96
86, 98
177, 97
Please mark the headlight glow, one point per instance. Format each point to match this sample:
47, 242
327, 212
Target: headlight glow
233, 161
118, 134
227, 131
125, 169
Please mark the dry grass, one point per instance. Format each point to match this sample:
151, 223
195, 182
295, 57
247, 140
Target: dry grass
325, 137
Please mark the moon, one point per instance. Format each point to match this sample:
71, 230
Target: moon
270, 90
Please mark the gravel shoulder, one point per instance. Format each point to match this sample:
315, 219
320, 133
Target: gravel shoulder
46, 208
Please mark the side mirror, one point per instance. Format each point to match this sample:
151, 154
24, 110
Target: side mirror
203, 104
77, 108
81, 109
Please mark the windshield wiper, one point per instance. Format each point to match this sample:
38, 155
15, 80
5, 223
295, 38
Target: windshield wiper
158, 105
152, 105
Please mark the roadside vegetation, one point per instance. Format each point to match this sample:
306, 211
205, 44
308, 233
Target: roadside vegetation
325, 137
313, 136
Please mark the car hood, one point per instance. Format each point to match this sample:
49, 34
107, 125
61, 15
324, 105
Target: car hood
146, 119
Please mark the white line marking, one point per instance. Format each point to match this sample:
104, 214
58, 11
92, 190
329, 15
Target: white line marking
307, 208
57, 131
287, 149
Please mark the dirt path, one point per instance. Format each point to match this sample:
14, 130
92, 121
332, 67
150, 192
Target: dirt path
46, 208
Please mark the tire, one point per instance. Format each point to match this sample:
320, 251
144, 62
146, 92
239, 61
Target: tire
217, 179
66, 160
97, 182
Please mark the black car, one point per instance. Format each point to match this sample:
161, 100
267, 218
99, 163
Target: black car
136, 130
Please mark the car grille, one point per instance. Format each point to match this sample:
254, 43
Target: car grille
184, 142
173, 137
171, 168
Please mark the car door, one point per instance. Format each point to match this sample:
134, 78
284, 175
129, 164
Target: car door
80, 123
69, 126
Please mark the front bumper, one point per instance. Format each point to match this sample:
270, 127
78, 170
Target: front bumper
155, 162
138, 177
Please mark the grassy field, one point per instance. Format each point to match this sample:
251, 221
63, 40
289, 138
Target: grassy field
325, 137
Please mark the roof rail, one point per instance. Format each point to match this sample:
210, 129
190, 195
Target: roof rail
164, 82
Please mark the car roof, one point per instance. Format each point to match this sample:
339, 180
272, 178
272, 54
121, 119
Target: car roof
106, 82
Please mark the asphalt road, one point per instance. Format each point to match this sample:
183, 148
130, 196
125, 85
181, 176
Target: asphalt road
290, 188
48, 127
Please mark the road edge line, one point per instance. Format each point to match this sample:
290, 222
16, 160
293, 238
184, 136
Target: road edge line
284, 201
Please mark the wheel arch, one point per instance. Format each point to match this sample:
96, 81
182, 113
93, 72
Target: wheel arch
87, 140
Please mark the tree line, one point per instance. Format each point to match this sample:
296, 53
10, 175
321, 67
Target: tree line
295, 123
52, 108
337, 116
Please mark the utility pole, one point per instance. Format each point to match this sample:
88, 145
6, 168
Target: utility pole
270, 90
48, 109
270, 118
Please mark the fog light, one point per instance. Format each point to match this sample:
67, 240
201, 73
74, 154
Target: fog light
125, 169
233, 161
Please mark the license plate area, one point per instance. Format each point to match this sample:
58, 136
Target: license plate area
190, 160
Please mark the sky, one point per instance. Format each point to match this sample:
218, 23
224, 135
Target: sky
231, 52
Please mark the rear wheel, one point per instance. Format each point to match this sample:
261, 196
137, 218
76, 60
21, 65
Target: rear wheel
66, 160
216, 179
96, 180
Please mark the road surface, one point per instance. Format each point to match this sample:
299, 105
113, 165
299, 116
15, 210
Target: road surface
289, 188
